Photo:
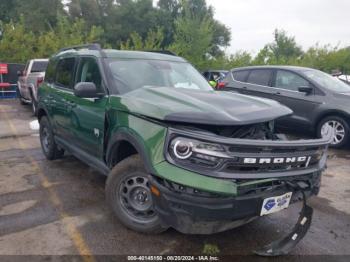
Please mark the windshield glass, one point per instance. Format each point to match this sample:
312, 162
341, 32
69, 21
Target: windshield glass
327, 81
131, 74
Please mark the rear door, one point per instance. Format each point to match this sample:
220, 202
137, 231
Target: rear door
61, 95
87, 115
286, 84
254, 82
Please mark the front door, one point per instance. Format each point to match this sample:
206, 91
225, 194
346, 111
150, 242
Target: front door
286, 85
87, 115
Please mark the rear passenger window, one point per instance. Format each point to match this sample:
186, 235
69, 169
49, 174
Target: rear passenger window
240, 75
290, 81
65, 71
260, 77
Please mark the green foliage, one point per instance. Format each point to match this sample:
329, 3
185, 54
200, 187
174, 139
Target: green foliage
284, 50
153, 41
193, 36
19, 44
211, 250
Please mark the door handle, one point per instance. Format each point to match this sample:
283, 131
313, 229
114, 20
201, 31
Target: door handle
278, 93
244, 87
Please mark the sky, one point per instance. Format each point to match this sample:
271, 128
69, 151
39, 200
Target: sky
252, 22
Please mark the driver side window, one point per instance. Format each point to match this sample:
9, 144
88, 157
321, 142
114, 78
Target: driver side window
88, 71
289, 81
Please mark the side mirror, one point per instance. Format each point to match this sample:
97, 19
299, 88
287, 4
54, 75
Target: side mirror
305, 89
86, 90
19, 73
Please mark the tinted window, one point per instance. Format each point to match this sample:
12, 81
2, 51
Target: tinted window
259, 77
240, 75
289, 80
65, 70
50, 72
39, 66
89, 71
206, 75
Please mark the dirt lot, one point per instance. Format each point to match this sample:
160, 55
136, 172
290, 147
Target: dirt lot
56, 208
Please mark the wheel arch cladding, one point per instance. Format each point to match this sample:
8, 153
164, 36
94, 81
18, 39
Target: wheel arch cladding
127, 142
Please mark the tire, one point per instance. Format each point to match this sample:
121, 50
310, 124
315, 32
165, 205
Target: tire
342, 130
128, 194
20, 98
47, 141
34, 105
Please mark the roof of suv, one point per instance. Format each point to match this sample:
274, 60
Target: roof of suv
292, 68
123, 54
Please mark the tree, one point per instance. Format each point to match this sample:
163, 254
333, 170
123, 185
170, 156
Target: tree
193, 36
283, 50
39, 15
18, 44
153, 41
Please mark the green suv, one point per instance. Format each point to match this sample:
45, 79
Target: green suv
177, 153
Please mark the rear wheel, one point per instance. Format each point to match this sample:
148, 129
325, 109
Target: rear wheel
129, 195
340, 128
47, 141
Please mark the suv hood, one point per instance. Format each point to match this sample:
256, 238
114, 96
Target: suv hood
201, 107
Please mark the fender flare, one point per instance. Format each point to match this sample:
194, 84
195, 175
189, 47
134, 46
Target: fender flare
41, 108
124, 135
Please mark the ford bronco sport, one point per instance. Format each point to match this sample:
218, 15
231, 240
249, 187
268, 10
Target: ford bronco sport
177, 153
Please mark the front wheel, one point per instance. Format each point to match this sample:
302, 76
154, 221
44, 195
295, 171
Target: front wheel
340, 128
128, 193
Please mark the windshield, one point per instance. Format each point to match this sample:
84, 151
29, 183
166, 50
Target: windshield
327, 81
131, 74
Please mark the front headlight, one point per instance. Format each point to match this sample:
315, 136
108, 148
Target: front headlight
191, 151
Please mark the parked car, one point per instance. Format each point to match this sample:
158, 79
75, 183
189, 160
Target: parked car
176, 152
214, 77
316, 98
345, 79
29, 80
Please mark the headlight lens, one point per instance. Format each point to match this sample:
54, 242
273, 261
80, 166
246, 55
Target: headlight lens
182, 149
193, 151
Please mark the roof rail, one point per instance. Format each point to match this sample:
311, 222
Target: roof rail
166, 52
94, 46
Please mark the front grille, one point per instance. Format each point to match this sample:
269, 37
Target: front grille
239, 166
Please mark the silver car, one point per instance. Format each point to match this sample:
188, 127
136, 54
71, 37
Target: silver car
29, 81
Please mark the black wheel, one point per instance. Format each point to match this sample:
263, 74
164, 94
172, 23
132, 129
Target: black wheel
48, 145
34, 106
129, 195
340, 128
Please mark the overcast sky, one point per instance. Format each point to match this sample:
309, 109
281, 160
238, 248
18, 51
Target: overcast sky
252, 22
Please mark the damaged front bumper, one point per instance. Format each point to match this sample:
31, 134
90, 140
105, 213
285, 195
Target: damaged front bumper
192, 211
